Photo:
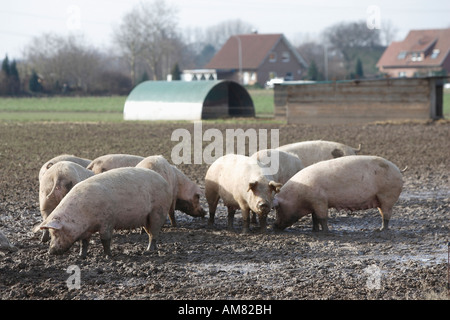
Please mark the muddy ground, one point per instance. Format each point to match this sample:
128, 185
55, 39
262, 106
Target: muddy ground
352, 261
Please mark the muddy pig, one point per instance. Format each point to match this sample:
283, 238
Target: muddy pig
352, 183
241, 184
186, 194
318, 150
113, 161
56, 182
122, 198
63, 157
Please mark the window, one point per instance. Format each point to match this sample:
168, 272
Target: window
285, 56
416, 56
273, 57
401, 55
402, 74
435, 53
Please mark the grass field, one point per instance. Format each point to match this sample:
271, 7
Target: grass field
110, 109
81, 109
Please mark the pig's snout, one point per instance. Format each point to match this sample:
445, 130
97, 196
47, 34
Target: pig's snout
263, 207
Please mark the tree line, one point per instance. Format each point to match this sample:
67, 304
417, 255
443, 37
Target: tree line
147, 44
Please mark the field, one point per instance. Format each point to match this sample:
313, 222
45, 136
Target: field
110, 108
352, 261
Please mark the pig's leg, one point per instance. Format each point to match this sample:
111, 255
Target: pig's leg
262, 223
105, 238
253, 218
315, 223
155, 221
173, 222
246, 220
320, 217
212, 204
386, 214
84, 248
151, 242
231, 212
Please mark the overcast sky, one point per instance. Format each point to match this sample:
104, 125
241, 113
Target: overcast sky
21, 20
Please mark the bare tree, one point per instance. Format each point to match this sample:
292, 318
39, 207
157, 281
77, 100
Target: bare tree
348, 38
159, 34
149, 32
388, 32
128, 40
62, 60
217, 35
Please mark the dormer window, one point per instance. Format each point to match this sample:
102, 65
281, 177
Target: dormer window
416, 56
401, 55
435, 53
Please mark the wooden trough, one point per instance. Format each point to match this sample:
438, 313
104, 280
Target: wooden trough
359, 101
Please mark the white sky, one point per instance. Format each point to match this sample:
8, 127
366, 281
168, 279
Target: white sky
21, 20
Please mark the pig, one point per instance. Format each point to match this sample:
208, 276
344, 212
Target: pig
314, 151
241, 184
5, 245
56, 182
113, 161
285, 164
63, 157
186, 194
121, 198
352, 183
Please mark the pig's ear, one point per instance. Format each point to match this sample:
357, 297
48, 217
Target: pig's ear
38, 227
90, 166
275, 186
56, 225
252, 185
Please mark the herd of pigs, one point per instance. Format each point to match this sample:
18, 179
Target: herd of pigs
79, 197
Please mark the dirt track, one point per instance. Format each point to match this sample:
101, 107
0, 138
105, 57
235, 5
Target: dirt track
193, 262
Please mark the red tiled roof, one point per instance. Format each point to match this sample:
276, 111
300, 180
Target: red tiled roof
418, 41
254, 49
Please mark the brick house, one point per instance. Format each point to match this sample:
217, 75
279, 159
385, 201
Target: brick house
256, 58
421, 53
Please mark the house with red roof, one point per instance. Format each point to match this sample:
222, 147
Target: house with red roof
256, 58
421, 53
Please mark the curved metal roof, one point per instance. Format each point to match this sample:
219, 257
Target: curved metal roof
187, 100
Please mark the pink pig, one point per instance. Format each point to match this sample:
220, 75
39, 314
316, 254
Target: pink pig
186, 194
351, 182
122, 198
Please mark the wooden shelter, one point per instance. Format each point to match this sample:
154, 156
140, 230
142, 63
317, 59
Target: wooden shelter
359, 101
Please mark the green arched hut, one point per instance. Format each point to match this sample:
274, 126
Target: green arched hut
188, 100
